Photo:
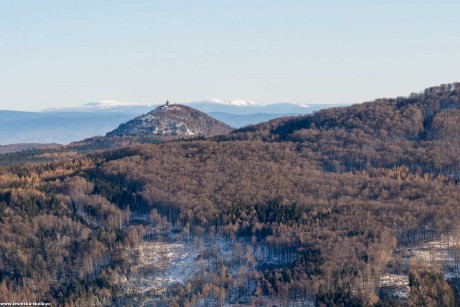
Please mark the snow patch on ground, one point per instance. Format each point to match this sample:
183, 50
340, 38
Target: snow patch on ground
399, 283
443, 252
161, 264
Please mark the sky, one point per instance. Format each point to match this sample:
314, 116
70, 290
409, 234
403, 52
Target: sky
58, 53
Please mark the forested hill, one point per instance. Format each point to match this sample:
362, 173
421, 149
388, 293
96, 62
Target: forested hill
163, 124
420, 131
172, 120
428, 114
321, 209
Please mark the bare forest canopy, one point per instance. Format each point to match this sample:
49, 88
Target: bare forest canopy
336, 193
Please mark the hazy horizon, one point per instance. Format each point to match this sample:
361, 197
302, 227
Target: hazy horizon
115, 103
308, 52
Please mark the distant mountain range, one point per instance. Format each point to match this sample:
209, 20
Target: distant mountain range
205, 105
74, 123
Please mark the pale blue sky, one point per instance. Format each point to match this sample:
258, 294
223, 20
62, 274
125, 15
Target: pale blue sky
56, 53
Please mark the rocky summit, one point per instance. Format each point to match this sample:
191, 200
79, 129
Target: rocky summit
172, 120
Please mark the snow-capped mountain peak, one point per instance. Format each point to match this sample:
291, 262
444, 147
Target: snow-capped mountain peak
236, 106
235, 102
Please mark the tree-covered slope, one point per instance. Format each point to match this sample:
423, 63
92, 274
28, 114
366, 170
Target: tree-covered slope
297, 210
420, 131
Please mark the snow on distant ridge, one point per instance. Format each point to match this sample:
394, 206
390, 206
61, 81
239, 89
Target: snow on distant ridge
235, 102
241, 103
114, 104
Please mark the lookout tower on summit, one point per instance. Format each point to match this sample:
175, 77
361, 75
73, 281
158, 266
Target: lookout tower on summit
167, 103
